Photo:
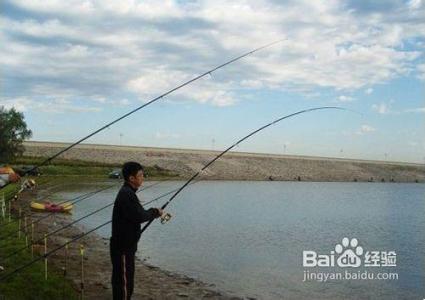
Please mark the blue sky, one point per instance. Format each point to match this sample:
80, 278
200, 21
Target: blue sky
72, 66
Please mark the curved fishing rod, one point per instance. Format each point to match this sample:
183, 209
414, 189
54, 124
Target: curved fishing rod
26, 185
74, 239
176, 193
48, 183
76, 200
32, 186
41, 199
52, 251
234, 145
84, 217
154, 100
14, 198
95, 212
44, 185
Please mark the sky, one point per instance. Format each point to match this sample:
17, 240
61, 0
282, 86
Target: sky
73, 66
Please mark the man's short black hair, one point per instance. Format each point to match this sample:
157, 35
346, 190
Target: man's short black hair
131, 168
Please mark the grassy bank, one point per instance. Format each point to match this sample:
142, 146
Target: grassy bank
68, 167
29, 283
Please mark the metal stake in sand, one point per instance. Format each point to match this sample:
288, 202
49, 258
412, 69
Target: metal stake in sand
82, 270
19, 223
64, 270
10, 210
45, 256
3, 205
63, 282
66, 259
26, 231
32, 239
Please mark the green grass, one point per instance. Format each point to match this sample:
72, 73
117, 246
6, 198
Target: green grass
68, 167
9, 190
30, 283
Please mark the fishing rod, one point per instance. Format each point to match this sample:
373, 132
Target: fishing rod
94, 212
41, 199
60, 203
78, 199
26, 185
178, 190
84, 217
29, 183
167, 217
209, 72
78, 237
52, 251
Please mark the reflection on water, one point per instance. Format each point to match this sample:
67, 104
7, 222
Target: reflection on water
248, 237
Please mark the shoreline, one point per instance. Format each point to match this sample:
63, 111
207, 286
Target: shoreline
151, 282
238, 165
213, 152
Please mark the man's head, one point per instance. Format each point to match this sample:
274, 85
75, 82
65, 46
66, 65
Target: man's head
133, 173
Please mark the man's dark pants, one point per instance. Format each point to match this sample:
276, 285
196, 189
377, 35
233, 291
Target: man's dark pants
122, 273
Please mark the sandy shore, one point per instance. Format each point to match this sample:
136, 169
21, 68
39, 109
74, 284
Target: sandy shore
150, 282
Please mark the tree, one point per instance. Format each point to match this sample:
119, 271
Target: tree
13, 131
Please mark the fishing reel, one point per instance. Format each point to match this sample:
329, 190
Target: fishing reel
28, 184
165, 218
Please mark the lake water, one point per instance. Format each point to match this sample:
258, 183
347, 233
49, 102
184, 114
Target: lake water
248, 238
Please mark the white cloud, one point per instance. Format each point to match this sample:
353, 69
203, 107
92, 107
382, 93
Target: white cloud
415, 4
381, 108
20, 104
252, 83
122, 102
203, 91
157, 81
104, 49
385, 108
364, 129
343, 98
59, 105
416, 110
99, 99
421, 71
369, 91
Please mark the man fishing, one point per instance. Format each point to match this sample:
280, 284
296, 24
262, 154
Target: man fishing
127, 216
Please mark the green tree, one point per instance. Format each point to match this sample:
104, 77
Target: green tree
13, 131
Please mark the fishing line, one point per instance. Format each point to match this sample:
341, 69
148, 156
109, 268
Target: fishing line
76, 200
78, 237
152, 101
41, 199
78, 220
178, 190
234, 145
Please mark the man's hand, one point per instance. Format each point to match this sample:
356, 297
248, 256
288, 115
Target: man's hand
160, 212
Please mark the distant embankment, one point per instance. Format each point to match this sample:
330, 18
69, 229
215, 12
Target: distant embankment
240, 166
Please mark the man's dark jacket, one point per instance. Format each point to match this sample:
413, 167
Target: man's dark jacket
127, 216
